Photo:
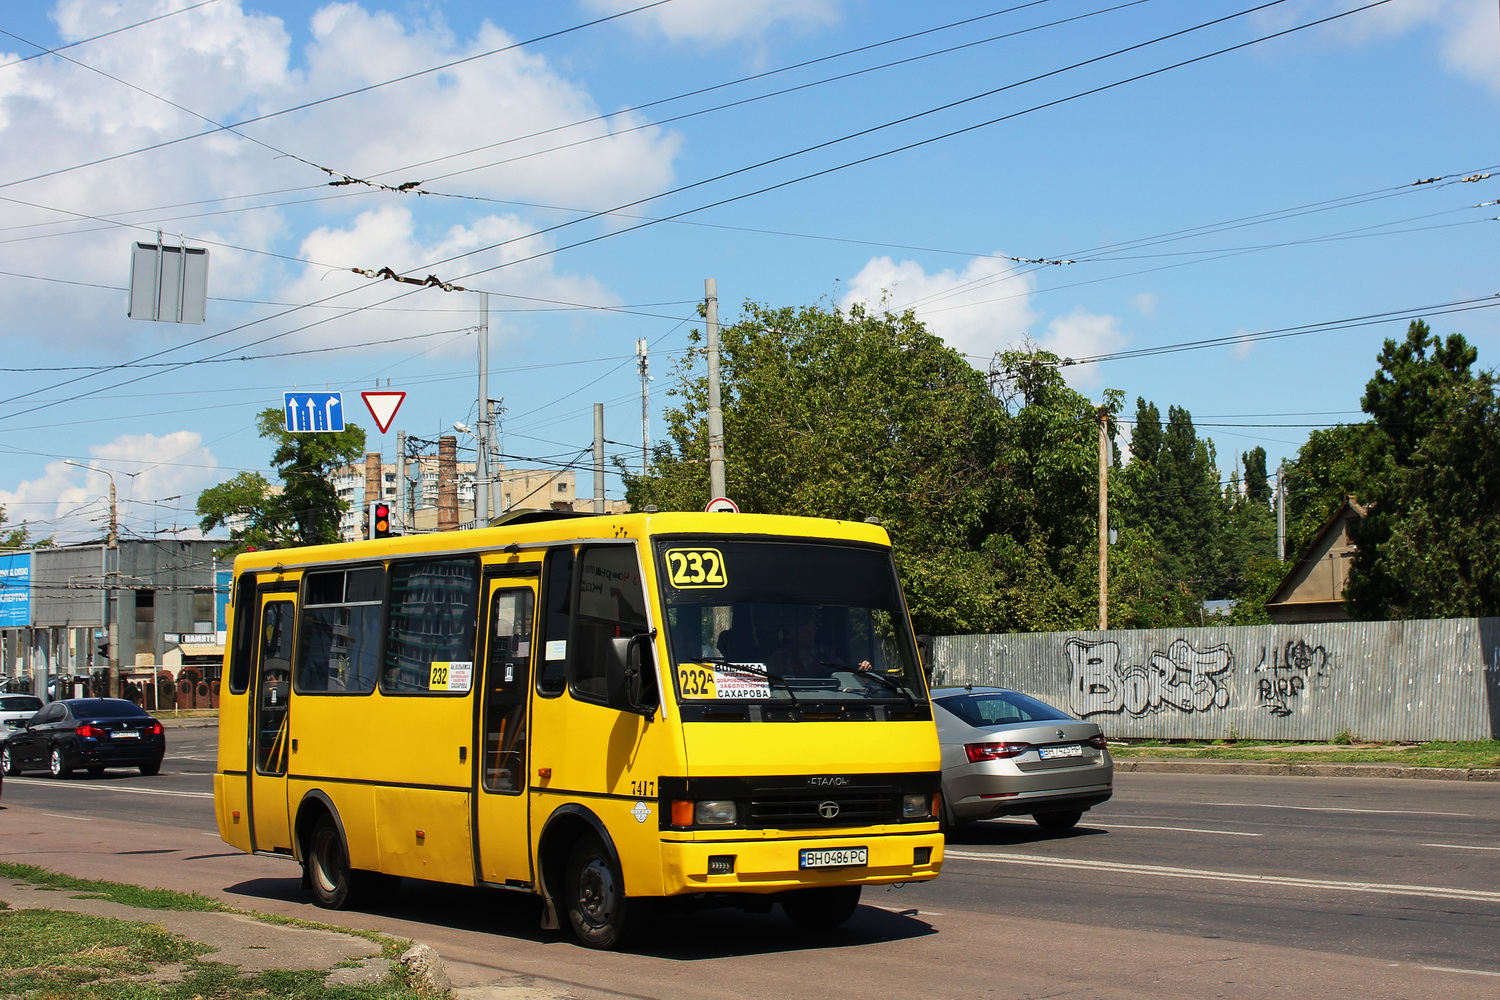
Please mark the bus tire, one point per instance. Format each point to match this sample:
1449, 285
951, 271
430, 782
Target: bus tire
822, 908
600, 913
335, 885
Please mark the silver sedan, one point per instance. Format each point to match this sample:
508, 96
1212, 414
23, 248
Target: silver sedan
1007, 754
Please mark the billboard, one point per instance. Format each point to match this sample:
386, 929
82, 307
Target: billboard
15, 590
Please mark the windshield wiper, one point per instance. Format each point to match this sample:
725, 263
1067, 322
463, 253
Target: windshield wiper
872, 675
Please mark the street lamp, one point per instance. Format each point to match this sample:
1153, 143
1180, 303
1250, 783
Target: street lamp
111, 628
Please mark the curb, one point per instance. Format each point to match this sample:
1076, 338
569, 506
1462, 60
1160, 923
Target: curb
1308, 770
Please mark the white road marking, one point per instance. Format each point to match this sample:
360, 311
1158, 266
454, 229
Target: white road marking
1463, 847
1466, 972
105, 787
1291, 882
1337, 809
1180, 829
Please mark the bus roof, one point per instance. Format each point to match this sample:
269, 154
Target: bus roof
542, 527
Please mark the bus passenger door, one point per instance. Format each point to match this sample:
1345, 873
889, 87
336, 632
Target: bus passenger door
271, 724
502, 829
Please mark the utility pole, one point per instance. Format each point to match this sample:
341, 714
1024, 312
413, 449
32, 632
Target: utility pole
598, 458
482, 475
1281, 512
645, 366
402, 519
111, 620
1103, 519
716, 486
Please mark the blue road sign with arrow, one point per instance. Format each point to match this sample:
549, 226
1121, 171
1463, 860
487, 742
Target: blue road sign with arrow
314, 411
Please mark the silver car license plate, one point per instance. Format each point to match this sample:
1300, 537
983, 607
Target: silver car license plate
1068, 750
833, 857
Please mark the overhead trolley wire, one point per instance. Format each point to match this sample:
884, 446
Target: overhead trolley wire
335, 97
782, 184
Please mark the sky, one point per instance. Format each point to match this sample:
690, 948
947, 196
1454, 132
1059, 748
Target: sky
1221, 206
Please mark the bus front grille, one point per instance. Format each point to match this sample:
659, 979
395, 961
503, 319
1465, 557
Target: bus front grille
824, 810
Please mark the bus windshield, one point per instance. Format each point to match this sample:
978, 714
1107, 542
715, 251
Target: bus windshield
786, 621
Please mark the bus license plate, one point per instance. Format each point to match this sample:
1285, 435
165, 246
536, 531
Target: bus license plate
833, 857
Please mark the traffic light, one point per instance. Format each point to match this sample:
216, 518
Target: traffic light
380, 520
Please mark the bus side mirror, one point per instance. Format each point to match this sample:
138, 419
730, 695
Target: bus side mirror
630, 675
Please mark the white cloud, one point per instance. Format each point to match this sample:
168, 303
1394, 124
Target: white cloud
228, 64
1465, 30
1082, 334
980, 311
1242, 346
715, 22
389, 237
154, 476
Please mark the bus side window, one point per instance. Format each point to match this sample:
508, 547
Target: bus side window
611, 605
507, 673
275, 685
242, 647
557, 607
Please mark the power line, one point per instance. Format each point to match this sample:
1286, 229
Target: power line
335, 97
1327, 326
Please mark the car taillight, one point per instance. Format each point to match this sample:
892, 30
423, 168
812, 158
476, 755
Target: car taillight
89, 731
1098, 742
980, 752
156, 729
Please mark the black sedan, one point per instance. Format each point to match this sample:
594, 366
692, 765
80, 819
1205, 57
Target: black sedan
92, 733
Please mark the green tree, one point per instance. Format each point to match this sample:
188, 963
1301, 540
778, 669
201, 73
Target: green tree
1429, 548
850, 415
304, 510
1173, 490
1257, 481
1334, 464
1045, 526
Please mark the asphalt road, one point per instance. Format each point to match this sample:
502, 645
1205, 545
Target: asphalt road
1182, 886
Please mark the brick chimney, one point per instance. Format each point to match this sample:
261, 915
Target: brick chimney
447, 514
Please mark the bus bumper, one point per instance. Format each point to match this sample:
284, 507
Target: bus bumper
773, 865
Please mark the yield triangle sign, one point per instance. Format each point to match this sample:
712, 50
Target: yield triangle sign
383, 407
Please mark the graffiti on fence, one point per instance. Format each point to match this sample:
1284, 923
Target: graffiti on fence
1182, 678
1292, 670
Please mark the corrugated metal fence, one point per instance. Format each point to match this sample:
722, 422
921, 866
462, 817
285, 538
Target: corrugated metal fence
1406, 680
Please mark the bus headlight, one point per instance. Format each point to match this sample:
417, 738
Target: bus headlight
715, 812
708, 812
918, 806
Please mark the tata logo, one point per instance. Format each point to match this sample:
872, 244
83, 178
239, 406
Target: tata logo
828, 810
828, 781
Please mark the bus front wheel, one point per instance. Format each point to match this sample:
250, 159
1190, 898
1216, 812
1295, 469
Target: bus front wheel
335, 885
601, 915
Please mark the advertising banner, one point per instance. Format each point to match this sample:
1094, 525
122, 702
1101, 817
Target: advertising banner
15, 590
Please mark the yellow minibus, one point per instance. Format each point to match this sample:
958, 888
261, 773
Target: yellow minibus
607, 711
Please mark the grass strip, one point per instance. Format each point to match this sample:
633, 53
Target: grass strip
59, 955
1467, 754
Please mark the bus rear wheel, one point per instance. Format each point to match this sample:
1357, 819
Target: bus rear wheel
601, 915
822, 908
335, 885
